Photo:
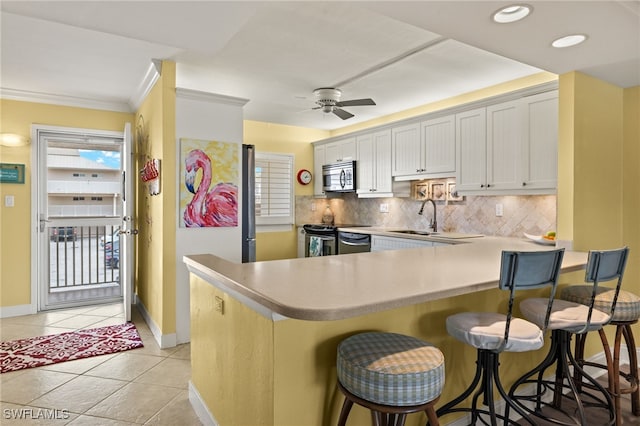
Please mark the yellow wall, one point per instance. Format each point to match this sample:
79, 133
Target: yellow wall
269, 137
15, 222
631, 186
156, 215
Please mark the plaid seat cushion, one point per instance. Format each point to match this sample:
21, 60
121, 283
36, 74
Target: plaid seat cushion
390, 369
627, 306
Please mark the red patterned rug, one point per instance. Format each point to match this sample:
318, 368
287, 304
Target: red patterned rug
46, 350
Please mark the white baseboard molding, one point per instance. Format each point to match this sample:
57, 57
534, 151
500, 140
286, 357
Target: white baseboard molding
17, 310
163, 340
592, 371
200, 408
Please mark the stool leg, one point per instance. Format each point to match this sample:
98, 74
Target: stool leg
432, 417
346, 409
614, 372
633, 369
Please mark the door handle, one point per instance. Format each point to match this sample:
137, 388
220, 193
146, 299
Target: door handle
42, 222
128, 232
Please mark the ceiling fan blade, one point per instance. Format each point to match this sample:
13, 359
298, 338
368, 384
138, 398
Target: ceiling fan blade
356, 102
342, 113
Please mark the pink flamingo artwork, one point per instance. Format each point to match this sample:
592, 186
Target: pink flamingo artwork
215, 207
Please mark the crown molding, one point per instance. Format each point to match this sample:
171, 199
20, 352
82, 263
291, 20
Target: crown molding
153, 74
71, 101
198, 95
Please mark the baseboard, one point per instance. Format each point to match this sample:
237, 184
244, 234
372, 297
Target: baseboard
592, 371
200, 407
16, 311
163, 340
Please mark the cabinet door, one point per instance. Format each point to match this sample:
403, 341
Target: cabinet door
318, 161
407, 152
439, 140
540, 141
366, 164
471, 163
339, 151
382, 171
504, 139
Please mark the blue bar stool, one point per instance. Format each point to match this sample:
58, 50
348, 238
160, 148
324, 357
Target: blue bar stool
390, 374
568, 319
624, 308
492, 333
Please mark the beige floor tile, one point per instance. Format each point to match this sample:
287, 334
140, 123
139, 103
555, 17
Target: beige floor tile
79, 366
182, 352
169, 372
136, 402
79, 321
24, 415
125, 366
21, 331
107, 322
32, 384
177, 412
79, 394
107, 310
44, 318
152, 348
85, 420
5, 377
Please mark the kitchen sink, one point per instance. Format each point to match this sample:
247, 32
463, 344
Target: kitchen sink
411, 232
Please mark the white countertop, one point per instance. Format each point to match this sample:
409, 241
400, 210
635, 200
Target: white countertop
350, 285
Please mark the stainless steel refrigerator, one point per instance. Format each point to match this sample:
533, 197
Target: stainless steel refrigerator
248, 203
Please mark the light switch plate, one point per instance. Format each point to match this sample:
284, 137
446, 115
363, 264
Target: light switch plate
499, 210
384, 208
9, 201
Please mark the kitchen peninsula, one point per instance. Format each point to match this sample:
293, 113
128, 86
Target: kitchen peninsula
264, 334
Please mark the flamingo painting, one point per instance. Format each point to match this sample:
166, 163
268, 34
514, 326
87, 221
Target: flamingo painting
209, 207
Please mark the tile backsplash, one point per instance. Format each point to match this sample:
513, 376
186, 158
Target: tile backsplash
533, 214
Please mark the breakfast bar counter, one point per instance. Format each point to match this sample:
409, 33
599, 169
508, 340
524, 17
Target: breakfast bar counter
345, 286
264, 334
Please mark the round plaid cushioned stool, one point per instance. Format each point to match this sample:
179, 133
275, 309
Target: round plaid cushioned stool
390, 374
625, 313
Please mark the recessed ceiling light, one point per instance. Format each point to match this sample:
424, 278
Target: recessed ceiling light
512, 13
568, 41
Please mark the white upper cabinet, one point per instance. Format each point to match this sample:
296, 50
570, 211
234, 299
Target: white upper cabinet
471, 146
439, 141
374, 164
425, 149
540, 141
503, 146
509, 148
406, 150
318, 162
341, 150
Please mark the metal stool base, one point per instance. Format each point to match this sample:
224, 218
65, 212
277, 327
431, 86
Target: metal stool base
564, 386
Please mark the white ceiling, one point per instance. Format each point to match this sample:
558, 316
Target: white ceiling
401, 54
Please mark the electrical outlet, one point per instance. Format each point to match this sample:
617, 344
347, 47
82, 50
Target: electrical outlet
499, 210
8, 201
384, 208
219, 305
313, 207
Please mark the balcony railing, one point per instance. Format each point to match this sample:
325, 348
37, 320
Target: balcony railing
82, 257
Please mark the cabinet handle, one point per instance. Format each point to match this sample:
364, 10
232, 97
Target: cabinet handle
524, 183
482, 185
488, 185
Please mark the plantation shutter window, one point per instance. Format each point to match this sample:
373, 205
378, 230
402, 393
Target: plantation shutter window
274, 189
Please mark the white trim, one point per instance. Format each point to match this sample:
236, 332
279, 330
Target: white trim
200, 408
163, 340
71, 101
151, 77
198, 95
16, 311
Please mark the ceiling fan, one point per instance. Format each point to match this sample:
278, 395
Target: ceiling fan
328, 100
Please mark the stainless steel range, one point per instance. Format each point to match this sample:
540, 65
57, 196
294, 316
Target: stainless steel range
326, 240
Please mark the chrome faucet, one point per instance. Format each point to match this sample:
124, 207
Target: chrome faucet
434, 222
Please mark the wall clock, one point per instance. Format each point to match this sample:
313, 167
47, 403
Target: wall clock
304, 176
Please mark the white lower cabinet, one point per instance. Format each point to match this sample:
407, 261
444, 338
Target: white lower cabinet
382, 243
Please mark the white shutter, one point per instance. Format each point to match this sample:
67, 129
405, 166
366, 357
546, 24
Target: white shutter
274, 189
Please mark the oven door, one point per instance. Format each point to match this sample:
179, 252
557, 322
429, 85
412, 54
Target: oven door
319, 245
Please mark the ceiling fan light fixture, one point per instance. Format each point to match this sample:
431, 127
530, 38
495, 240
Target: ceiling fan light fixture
512, 13
569, 40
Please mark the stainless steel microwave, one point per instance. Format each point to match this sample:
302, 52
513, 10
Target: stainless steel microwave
339, 177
